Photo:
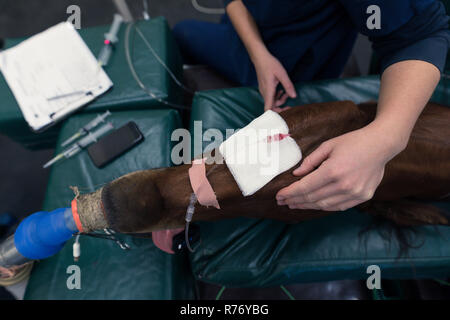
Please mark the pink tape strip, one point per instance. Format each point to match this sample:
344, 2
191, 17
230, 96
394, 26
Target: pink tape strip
200, 184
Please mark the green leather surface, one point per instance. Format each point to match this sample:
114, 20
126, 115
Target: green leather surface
253, 253
125, 94
108, 272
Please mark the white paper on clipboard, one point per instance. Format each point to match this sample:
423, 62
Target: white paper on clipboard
53, 63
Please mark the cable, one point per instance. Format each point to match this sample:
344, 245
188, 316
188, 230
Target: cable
288, 293
186, 237
108, 236
172, 75
189, 213
76, 248
219, 294
136, 76
206, 10
442, 282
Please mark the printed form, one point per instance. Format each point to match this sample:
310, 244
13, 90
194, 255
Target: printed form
52, 74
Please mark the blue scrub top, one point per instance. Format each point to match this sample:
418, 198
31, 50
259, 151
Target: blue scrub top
313, 38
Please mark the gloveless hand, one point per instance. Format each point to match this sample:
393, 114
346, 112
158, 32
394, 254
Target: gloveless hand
270, 73
342, 173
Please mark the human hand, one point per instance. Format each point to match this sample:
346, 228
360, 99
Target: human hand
270, 73
349, 169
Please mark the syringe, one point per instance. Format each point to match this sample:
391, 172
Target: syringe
110, 40
88, 127
83, 143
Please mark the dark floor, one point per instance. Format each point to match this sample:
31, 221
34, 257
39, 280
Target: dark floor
23, 181
20, 18
332, 290
335, 290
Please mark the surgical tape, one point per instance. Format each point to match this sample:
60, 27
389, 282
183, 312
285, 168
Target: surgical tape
200, 184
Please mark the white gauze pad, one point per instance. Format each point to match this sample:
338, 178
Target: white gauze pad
259, 152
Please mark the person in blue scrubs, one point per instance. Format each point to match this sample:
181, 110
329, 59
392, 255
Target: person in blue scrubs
277, 42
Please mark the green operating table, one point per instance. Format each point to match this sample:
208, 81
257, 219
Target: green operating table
108, 272
236, 252
258, 253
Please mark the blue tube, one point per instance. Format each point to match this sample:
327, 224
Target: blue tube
43, 234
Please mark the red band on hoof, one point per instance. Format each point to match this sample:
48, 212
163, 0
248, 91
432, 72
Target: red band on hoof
75, 215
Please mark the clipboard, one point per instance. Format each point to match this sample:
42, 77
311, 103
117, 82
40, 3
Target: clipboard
53, 74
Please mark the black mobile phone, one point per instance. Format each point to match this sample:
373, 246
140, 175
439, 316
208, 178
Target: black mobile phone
179, 240
115, 144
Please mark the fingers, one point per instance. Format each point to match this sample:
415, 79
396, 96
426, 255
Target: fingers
279, 94
334, 203
307, 198
337, 203
269, 76
306, 185
281, 99
269, 96
287, 83
314, 159
342, 206
277, 101
326, 199
326, 204
278, 109
312, 181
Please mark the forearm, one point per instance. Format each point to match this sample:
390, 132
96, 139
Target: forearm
246, 28
405, 89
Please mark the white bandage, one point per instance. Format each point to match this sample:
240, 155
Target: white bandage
259, 152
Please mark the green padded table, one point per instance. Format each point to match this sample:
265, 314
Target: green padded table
247, 252
125, 93
108, 272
